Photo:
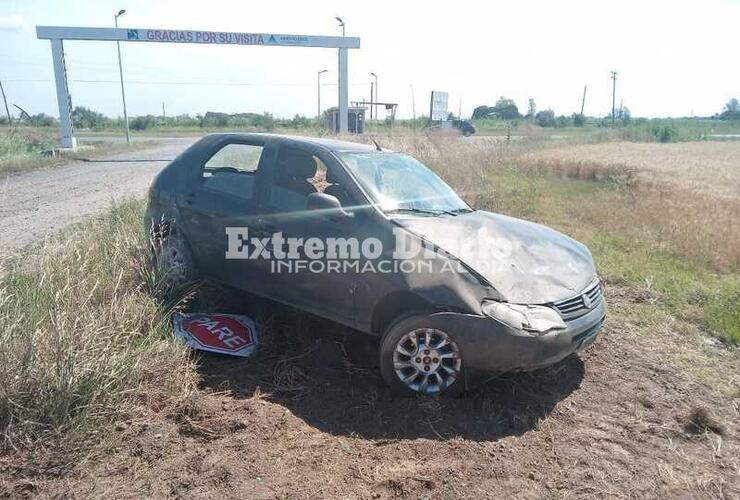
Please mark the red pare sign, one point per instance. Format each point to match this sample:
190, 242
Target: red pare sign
222, 333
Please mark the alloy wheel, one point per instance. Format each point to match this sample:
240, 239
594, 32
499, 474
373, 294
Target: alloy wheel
427, 360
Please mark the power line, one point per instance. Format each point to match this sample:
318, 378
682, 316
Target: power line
207, 83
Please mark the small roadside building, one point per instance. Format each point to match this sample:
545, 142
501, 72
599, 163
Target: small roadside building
356, 119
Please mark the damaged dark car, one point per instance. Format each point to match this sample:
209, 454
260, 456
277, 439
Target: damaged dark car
375, 240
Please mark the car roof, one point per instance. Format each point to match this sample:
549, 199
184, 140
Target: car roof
327, 144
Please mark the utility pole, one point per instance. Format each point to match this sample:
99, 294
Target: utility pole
614, 94
318, 92
583, 101
7, 111
120, 71
164, 115
371, 100
376, 93
413, 107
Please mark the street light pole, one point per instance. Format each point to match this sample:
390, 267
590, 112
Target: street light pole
342, 85
376, 93
318, 91
341, 23
120, 71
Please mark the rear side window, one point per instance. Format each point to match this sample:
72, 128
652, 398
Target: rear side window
241, 158
231, 170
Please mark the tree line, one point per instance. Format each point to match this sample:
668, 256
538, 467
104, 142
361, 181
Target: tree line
506, 109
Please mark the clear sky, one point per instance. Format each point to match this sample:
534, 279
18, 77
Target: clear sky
673, 57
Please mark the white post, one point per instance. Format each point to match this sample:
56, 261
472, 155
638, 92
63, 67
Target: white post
120, 72
64, 100
343, 94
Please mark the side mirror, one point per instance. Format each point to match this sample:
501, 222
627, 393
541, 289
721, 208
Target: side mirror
327, 205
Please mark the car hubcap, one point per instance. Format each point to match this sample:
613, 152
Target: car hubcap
427, 360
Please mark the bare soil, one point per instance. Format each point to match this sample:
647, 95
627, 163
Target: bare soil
309, 417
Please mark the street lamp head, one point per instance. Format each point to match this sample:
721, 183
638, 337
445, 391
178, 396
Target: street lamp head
341, 23
373, 74
323, 71
121, 12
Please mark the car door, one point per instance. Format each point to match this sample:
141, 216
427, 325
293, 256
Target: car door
296, 174
227, 196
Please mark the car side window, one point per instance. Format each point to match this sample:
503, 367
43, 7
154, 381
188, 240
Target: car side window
295, 170
243, 158
232, 170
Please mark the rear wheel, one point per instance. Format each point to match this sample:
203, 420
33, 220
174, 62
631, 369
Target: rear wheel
173, 259
418, 358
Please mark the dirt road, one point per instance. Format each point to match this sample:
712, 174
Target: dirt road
36, 203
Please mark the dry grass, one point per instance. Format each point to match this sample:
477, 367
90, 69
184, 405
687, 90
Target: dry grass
678, 197
709, 167
83, 333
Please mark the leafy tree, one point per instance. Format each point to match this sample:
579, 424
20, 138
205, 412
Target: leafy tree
42, 120
578, 120
531, 108
731, 111
562, 121
506, 108
545, 118
83, 117
143, 122
481, 112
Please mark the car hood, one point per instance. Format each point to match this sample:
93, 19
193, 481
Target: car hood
526, 263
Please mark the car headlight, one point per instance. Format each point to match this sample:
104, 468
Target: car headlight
535, 320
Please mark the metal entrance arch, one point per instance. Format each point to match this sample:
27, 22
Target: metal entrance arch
57, 35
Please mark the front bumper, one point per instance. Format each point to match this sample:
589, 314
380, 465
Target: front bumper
491, 346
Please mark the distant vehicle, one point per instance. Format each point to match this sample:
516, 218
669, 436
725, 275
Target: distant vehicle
464, 126
527, 298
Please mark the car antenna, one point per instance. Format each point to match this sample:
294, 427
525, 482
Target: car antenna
377, 146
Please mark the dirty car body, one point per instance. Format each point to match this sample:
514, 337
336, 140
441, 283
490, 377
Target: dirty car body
530, 299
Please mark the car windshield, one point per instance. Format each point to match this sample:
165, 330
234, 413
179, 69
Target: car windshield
399, 183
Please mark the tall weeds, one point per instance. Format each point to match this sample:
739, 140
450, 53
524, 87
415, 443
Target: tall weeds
82, 336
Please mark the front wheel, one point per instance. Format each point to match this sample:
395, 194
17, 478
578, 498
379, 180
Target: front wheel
418, 358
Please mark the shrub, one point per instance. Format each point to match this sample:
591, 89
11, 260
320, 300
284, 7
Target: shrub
545, 118
665, 133
86, 118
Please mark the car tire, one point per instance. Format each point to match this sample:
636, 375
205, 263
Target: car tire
419, 358
173, 258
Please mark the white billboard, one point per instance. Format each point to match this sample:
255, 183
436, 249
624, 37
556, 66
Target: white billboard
438, 108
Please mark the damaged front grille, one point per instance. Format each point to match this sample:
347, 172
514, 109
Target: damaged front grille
582, 303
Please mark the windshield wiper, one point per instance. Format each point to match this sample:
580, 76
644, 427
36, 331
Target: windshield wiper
416, 211
464, 210
436, 213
